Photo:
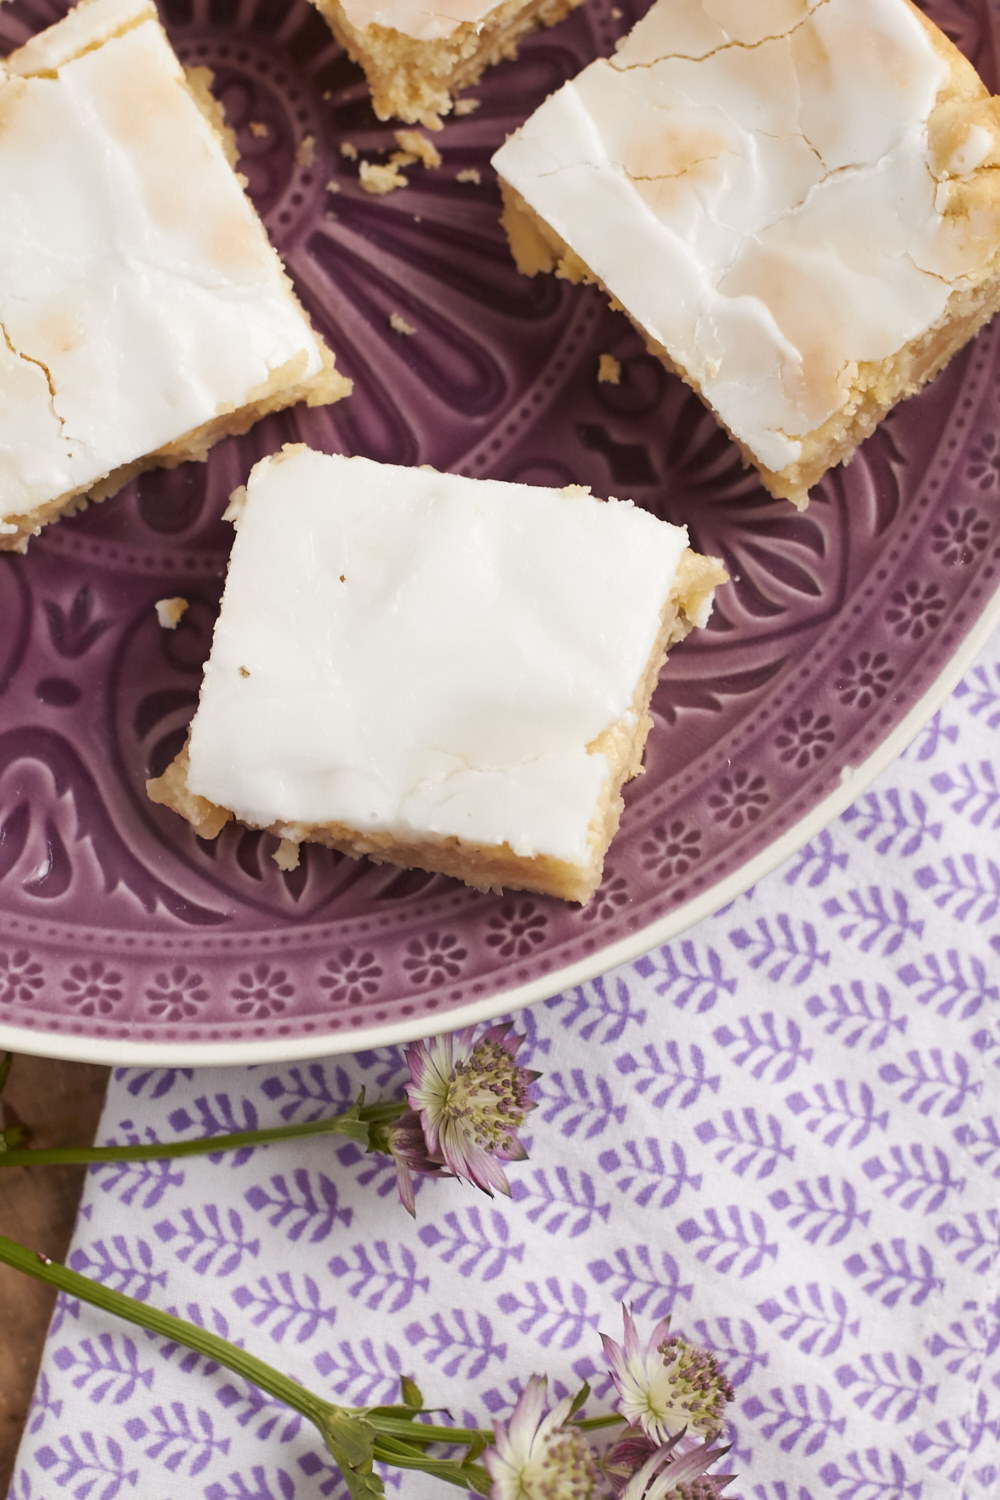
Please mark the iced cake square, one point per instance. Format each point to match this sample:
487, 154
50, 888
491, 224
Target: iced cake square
446, 673
143, 313
417, 54
796, 202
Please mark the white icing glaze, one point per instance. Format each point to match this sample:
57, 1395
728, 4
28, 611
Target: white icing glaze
87, 25
422, 653
972, 152
423, 20
139, 295
752, 183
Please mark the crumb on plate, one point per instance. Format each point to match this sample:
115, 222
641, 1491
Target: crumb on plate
417, 147
169, 612
286, 856
381, 179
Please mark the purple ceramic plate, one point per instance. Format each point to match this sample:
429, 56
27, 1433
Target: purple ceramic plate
124, 938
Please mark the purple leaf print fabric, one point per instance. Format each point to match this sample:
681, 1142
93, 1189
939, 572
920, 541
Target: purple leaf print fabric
784, 1129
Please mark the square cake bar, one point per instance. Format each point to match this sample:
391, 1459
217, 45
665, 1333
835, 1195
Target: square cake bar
143, 313
417, 54
796, 202
445, 673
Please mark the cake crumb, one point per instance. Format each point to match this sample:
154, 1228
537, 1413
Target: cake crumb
398, 324
466, 106
237, 500
381, 179
431, 122
258, 129
418, 148
468, 174
244, 671
326, 95
333, 186
306, 152
169, 612
609, 371
576, 489
286, 856
616, 14
349, 149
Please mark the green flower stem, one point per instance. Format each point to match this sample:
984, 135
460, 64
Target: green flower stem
392, 1448
594, 1424
461, 1436
199, 1339
425, 1432
400, 1440
401, 1456
355, 1124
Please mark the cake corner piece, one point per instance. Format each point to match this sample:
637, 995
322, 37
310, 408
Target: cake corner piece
442, 697
417, 57
160, 319
802, 267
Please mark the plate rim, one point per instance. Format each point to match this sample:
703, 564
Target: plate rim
121, 1053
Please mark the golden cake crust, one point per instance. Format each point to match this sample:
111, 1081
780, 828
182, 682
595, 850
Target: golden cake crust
416, 80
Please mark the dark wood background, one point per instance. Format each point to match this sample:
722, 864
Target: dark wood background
62, 1104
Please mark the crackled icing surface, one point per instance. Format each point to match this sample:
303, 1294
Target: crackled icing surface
423, 21
753, 184
138, 293
425, 654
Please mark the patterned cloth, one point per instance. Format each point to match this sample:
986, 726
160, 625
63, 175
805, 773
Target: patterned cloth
784, 1128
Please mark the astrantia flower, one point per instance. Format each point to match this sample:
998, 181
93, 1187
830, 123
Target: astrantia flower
408, 1149
628, 1453
538, 1455
666, 1477
669, 1385
471, 1098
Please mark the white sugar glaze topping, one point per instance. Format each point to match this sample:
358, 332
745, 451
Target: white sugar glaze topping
138, 293
423, 20
424, 654
752, 182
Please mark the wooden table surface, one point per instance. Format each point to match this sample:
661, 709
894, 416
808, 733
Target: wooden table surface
62, 1103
